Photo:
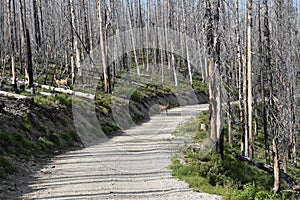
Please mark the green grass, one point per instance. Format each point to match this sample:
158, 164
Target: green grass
26, 125
199, 84
103, 99
63, 99
54, 139
16, 144
204, 170
5, 166
21, 147
109, 128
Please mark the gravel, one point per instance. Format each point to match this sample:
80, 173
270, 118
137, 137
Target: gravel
133, 165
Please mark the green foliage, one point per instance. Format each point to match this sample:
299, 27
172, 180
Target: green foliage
109, 128
45, 144
67, 138
16, 144
104, 111
43, 101
137, 96
54, 139
70, 138
73, 135
5, 166
64, 99
42, 128
198, 84
228, 177
103, 99
26, 125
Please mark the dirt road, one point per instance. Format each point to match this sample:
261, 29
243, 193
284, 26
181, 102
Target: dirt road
131, 166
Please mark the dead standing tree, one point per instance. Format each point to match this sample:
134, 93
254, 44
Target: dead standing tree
213, 42
12, 44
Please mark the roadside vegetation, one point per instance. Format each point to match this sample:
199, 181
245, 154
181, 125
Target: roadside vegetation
204, 170
16, 146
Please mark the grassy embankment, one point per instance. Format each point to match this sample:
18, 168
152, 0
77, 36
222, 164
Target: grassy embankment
205, 171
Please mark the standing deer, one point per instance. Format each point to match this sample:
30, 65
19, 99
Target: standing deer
164, 107
62, 82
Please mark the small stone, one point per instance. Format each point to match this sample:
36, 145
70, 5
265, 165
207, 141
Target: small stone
203, 127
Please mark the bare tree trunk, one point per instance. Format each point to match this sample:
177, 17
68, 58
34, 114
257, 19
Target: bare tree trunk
185, 42
294, 150
91, 44
245, 104
241, 78
249, 68
264, 112
216, 121
159, 19
103, 49
72, 58
276, 165
41, 20
22, 35
37, 30
173, 65
132, 40
12, 46
229, 122
29, 61
75, 49
76, 44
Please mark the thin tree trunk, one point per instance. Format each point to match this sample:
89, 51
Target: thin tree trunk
12, 46
72, 58
103, 49
36, 24
75, 49
173, 65
268, 67
133, 40
245, 104
29, 61
241, 78
249, 72
22, 35
185, 42
91, 45
276, 165
86, 27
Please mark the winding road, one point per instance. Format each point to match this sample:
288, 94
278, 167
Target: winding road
131, 166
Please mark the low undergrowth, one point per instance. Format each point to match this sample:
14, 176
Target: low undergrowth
16, 147
204, 170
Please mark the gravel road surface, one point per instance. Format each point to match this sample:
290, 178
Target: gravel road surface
131, 166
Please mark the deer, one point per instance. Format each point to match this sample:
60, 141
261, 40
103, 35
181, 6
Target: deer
164, 107
60, 82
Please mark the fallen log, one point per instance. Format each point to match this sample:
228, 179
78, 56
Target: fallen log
47, 94
56, 89
269, 169
61, 90
134, 82
67, 91
15, 96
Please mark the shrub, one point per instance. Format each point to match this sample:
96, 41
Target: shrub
54, 139
26, 125
5, 165
67, 138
